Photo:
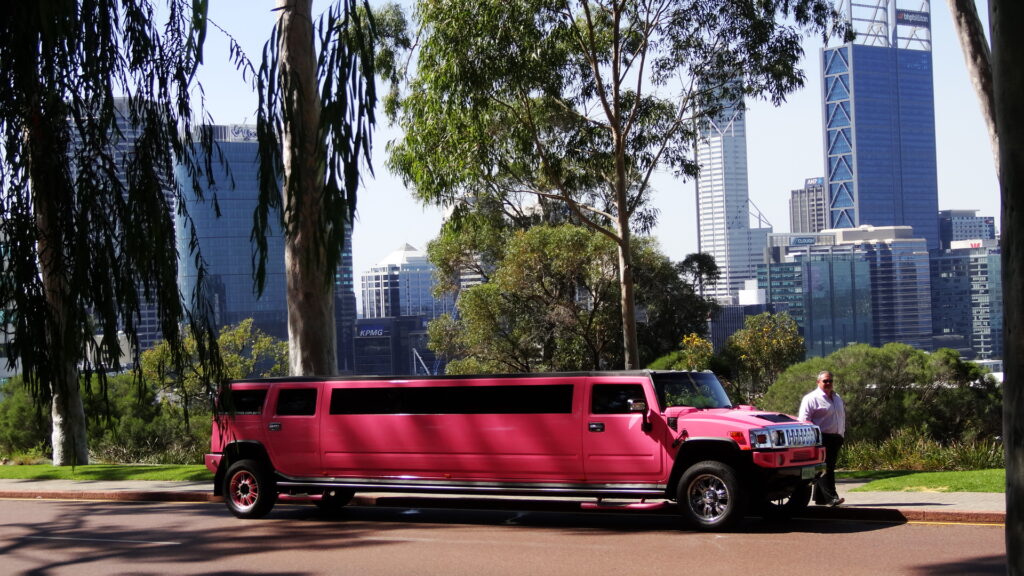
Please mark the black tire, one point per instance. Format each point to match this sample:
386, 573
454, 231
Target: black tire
249, 489
786, 508
334, 499
710, 496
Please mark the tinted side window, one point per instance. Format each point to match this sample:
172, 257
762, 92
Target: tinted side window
296, 402
615, 398
245, 402
540, 399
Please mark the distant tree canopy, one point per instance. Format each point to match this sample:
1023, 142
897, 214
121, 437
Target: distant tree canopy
897, 386
550, 300
765, 346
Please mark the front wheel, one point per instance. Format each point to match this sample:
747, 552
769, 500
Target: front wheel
249, 489
709, 496
785, 508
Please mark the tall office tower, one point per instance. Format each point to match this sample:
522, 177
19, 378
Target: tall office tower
225, 245
345, 307
956, 225
147, 324
723, 204
807, 207
967, 298
402, 285
879, 117
866, 284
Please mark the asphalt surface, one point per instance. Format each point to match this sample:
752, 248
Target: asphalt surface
964, 507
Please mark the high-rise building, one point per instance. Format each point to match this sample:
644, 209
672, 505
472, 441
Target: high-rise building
807, 207
402, 285
956, 225
227, 249
723, 204
967, 302
879, 117
224, 241
868, 285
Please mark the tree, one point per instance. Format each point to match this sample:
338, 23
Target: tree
315, 120
579, 103
768, 344
551, 301
695, 352
246, 352
1002, 110
87, 230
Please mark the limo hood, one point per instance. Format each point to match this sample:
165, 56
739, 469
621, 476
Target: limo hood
739, 418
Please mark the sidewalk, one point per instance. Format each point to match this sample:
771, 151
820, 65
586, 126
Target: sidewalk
967, 507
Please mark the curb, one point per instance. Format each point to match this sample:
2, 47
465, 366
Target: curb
893, 515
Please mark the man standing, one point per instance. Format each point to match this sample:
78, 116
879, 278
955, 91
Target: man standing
824, 408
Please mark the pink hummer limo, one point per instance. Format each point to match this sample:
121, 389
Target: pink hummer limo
636, 435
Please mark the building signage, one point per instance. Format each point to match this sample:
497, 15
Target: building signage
913, 18
364, 332
243, 132
803, 241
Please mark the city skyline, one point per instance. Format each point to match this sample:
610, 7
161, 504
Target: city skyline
784, 145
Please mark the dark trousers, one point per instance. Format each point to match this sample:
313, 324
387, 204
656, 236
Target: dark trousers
825, 487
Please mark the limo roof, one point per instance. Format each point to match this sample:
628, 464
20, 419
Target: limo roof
404, 378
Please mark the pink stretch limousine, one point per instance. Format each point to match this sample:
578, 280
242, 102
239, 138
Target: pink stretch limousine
637, 435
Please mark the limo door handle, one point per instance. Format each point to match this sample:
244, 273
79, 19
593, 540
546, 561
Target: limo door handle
595, 426
275, 426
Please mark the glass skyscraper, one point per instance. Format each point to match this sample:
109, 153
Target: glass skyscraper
723, 204
879, 117
227, 249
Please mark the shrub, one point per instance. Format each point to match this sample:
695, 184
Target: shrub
910, 449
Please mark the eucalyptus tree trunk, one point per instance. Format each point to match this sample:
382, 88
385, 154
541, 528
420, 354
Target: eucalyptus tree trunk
69, 439
63, 337
311, 329
1007, 21
978, 57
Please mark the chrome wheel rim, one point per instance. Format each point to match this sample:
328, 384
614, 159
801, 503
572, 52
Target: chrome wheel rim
708, 497
244, 490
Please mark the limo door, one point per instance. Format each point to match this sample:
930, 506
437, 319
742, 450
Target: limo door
616, 448
292, 428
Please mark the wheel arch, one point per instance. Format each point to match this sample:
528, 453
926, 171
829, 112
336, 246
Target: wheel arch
700, 449
235, 451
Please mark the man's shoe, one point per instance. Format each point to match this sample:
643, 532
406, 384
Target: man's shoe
836, 502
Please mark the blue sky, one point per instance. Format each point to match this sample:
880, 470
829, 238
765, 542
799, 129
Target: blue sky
784, 144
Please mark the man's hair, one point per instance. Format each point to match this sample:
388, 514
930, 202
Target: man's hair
822, 374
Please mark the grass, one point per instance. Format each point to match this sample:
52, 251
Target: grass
993, 480
107, 472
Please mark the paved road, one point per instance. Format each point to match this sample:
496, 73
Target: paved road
52, 537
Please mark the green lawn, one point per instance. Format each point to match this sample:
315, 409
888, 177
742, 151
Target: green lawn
896, 481
107, 472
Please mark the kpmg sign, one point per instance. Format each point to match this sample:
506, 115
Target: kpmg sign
913, 18
371, 331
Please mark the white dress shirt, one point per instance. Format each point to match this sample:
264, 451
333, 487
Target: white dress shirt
829, 414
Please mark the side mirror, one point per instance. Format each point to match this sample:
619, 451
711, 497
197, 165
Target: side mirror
641, 407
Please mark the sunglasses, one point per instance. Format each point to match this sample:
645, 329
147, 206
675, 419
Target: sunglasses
827, 381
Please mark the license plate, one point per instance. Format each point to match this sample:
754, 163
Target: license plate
807, 472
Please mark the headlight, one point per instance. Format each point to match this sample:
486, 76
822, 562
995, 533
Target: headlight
760, 438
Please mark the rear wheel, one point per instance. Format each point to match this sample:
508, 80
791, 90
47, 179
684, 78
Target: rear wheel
334, 499
249, 489
709, 496
785, 508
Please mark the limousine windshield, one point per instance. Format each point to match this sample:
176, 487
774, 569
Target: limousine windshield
697, 389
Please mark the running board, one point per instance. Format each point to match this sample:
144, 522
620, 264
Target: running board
624, 506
